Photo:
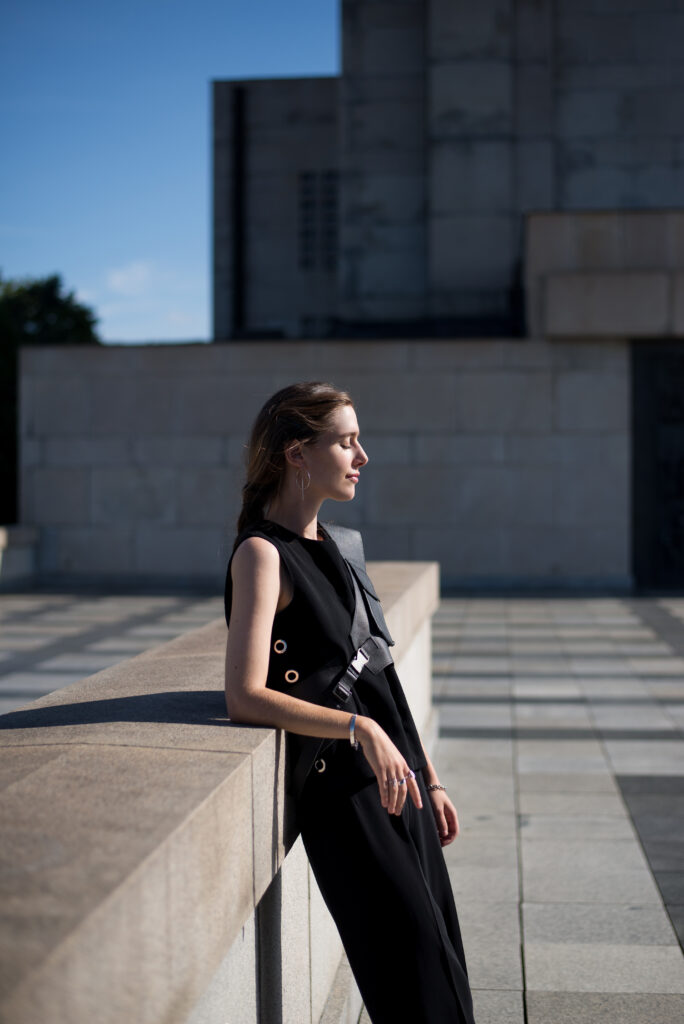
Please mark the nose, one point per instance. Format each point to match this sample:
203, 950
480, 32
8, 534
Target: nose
360, 458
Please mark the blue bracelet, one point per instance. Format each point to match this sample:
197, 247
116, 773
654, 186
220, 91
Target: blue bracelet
352, 738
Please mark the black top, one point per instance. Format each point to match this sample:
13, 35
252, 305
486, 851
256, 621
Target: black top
314, 629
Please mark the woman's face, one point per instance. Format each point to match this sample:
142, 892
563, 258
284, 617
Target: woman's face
335, 459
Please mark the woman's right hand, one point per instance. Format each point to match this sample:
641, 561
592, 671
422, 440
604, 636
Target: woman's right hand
387, 764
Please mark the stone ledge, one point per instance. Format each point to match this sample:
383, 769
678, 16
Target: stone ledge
141, 828
614, 304
604, 273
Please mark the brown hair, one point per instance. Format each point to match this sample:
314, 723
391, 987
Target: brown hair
298, 413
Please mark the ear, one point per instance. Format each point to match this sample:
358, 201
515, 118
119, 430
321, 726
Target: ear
294, 455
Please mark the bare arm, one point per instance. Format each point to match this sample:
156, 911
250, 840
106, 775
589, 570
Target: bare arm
429, 774
446, 815
257, 589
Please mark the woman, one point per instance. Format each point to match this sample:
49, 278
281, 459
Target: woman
370, 807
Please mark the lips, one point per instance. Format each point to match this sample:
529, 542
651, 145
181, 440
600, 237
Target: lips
354, 477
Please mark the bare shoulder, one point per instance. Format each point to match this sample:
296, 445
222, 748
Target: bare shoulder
255, 556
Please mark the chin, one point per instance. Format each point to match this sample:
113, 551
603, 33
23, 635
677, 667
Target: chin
348, 494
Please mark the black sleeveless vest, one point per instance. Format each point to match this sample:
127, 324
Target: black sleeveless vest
311, 647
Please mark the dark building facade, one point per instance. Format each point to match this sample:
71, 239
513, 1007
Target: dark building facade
392, 200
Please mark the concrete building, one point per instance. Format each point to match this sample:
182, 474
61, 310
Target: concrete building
392, 201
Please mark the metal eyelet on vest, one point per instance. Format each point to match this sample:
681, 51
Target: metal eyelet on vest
292, 675
280, 646
319, 764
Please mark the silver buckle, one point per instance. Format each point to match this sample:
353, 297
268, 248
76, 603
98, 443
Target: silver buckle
359, 660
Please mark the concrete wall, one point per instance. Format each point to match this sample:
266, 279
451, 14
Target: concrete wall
608, 273
508, 461
151, 872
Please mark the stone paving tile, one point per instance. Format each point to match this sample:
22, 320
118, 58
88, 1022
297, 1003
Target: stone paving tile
603, 1008
476, 757
77, 661
472, 715
34, 684
539, 763
665, 855
492, 1007
578, 869
590, 967
548, 826
443, 688
471, 796
10, 644
641, 717
491, 938
470, 849
655, 827
479, 884
546, 688
561, 782
482, 823
571, 805
569, 715
671, 884
646, 757
126, 646
612, 923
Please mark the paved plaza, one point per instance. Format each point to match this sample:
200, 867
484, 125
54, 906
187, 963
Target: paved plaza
561, 743
50, 640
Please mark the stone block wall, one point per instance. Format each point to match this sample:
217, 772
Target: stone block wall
506, 460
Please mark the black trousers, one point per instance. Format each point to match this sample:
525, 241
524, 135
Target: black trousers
385, 882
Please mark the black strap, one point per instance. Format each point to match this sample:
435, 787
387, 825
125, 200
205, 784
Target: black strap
370, 651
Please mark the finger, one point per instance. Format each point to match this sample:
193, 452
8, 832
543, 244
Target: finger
414, 792
401, 795
383, 787
392, 798
442, 825
452, 820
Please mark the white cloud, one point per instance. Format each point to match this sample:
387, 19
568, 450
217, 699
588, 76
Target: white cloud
145, 299
132, 279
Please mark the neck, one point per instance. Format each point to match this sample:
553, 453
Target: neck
300, 516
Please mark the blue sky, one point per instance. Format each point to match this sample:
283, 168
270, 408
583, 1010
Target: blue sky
106, 147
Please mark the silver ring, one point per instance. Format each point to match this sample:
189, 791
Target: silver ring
411, 775
402, 782
393, 782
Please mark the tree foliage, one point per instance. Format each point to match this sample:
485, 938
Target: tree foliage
32, 312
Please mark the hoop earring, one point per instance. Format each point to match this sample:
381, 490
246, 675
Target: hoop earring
300, 481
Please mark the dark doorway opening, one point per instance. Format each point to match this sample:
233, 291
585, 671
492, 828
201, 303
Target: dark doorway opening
658, 465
